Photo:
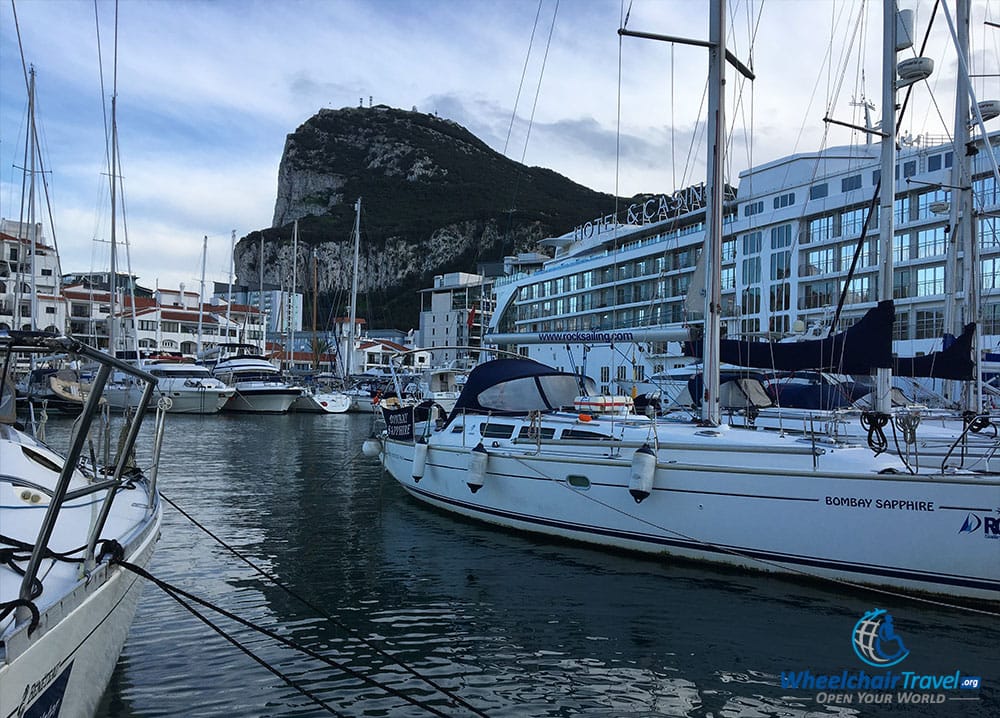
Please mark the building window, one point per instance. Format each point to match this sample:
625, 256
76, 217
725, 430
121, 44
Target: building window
901, 326
753, 208
930, 281
930, 325
728, 278
820, 229
819, 191
751, 243
909, 168
933, 163
46, 272
850, 183
820, 261
784, 200
781, 236
931, 242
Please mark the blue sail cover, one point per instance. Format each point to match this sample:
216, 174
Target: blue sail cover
516, 386
865, 346
953, 362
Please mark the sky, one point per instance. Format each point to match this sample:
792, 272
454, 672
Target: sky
207, 92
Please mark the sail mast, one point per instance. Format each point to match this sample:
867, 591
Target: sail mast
710, 411
883, 376
201, 293
354, 291
291, 297
113, 284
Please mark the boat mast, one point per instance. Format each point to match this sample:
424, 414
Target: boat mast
883, 376
201, 294
260, 295
291, 297
112, 334
229, 293
710, 411
32, 233
354, 291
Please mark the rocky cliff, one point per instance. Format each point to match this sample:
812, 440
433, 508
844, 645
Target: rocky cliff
435, 199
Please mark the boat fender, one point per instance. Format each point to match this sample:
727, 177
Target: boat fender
371, 448
419, 460
640, 483
478, 458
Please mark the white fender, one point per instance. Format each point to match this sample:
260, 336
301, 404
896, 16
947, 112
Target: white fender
478, 459
640, 483
371, 448
419, 459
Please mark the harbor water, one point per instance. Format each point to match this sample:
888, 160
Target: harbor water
340, 560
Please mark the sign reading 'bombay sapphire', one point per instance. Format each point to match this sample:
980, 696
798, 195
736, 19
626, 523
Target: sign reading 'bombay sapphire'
399, 423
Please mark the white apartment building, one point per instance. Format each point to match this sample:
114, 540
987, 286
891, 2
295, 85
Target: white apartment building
29, 280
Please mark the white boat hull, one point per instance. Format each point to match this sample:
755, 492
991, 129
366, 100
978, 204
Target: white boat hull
274, 400
322, 403
751, 509
64, 667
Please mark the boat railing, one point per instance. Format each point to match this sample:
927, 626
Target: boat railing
31, 343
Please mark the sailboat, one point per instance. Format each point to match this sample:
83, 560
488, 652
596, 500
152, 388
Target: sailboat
69, 522
702, 490
314, 398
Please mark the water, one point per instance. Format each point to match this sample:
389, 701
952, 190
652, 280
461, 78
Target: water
516, 626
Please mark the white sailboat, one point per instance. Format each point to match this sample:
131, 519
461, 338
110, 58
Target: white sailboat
313, 399
706, 491
66, 603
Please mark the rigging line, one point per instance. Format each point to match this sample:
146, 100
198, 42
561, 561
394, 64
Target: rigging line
538, 88
877, 193
170, 591
524, 72
320, 612
176, 592
765, 562
531, 119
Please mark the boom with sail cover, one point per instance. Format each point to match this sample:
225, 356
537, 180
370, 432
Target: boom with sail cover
863, 347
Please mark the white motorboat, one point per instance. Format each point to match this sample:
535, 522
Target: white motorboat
189, 387
259, 385
66, 599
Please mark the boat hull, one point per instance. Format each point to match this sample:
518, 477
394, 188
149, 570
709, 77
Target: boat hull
322, 403
64, 667
261, 401
905, 532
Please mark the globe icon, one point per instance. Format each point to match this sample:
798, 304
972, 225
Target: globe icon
875, 640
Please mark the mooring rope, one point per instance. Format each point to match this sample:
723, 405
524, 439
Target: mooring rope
319, 611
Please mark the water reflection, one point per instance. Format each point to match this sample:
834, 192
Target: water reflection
515, 625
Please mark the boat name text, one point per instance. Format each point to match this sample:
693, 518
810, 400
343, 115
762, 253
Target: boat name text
891, 504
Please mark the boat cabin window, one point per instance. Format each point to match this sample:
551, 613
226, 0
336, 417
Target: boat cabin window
536, 432
580, 434
578, 482
496, 431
